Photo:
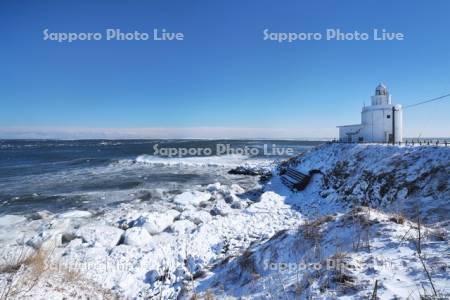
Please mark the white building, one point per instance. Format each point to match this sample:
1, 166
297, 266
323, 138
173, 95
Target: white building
380, 122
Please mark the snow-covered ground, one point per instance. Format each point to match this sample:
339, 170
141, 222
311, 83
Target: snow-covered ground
352, 233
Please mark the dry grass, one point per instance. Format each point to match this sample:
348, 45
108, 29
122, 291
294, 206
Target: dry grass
281, 234
397, 218
37, 271
25, 275
310, 230
208, 296
438, 234
247, 263
340, 275
38, 262
14, 265
361, 221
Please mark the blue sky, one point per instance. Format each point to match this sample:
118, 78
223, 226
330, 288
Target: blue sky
223, 75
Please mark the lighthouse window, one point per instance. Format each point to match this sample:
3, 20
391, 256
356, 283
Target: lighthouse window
388, 116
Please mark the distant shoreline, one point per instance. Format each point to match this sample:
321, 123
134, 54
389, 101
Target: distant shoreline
172, 139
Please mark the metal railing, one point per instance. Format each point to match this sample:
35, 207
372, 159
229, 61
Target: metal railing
406, 142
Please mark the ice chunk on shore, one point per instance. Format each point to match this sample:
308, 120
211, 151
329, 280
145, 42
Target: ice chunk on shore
192, 198
137, 236
237, 189
182, 226
103, 235
8, 220
76, 214
216, 187
156, 222
196, 216
225, 189
41, 215
269, 200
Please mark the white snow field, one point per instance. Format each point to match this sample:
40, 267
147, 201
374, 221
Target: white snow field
372, 225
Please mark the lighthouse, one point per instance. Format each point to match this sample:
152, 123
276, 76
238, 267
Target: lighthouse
381, 122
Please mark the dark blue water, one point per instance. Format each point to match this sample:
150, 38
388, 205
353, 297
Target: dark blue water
55, 175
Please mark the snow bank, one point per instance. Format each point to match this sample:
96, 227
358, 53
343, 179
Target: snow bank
76, 214
383, 176
142, 250
362, 212
137, 236
337, 256
191, 198
8, 220
230, 242
100, 235
155, 222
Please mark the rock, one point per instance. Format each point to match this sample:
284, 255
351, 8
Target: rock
191, 198
242, 171
205, 204
67, 237
123, 224
263, 173
236, 205
265, 177
9, 220
76, 214
248, 170
228, 198
152, 276
214, 211
137, 236
100, 235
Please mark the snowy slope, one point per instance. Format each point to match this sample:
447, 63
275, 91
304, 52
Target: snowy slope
362, 220
338, 256
391, 178
355, 225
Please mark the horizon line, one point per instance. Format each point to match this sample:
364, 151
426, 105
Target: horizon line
175, 133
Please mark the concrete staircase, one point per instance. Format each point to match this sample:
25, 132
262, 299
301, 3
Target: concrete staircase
295, 180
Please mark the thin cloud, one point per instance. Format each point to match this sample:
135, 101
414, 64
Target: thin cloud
166, 133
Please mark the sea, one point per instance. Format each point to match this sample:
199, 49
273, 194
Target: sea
57, 175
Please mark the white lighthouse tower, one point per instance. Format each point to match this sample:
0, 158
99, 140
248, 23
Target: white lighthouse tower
380, 122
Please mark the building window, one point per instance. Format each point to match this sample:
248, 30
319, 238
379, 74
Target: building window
388, 116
